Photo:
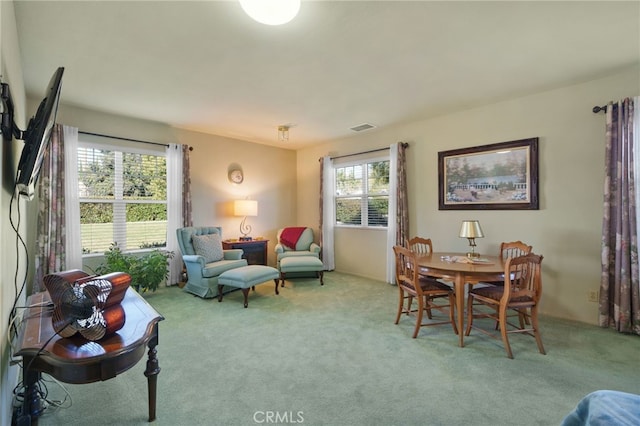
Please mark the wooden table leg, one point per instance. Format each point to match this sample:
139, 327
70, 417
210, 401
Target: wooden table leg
152, 371
459, 289
32, 404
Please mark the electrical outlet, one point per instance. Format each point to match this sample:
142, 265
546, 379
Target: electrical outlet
594, 296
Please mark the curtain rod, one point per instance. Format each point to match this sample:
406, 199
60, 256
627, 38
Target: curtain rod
596, 109
405, 144
127, 139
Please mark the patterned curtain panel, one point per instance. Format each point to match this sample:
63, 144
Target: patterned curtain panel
51, 229
402, 231
186, 187
619, 288
398, 207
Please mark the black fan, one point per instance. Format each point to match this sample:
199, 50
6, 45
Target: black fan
77, 303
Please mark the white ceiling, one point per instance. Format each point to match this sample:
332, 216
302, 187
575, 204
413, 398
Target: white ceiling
206, 66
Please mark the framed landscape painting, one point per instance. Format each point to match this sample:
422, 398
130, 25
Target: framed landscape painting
499, 176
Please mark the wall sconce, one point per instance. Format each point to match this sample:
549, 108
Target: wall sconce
283, 133
471, 230
245, 208
271, 12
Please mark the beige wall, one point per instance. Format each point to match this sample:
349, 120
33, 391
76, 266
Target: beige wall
11, 71
566, 229
110, 124
269, 178
269, 173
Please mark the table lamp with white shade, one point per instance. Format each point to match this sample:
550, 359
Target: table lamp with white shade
245, 208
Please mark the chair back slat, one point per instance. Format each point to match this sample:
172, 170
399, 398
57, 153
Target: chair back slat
420, 246
514, 249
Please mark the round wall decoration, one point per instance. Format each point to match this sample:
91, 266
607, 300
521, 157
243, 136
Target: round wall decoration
236, 176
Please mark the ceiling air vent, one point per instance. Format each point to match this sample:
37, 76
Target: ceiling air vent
361, 127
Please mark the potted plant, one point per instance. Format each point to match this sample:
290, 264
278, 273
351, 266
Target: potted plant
147, 271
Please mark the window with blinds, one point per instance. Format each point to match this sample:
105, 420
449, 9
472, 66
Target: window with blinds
362, 194
123, 199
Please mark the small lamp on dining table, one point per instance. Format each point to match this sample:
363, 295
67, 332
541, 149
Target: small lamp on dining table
471, 230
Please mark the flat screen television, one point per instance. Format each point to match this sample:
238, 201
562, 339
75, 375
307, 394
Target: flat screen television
36, 137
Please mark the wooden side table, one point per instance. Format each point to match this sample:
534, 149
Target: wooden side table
77, 360
255, 251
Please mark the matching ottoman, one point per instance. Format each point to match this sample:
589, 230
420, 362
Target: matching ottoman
247, 277
301, 264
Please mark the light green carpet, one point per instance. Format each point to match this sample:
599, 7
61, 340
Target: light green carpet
332, 355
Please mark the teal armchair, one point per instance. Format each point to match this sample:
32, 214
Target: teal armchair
305, 246
202, 275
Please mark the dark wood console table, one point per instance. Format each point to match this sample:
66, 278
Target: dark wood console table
255, 251
78, 360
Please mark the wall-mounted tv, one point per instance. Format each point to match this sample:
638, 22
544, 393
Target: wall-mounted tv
36, 136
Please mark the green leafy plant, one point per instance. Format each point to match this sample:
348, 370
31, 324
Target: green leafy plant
147, 271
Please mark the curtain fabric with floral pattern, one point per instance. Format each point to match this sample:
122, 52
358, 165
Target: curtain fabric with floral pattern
402, 217
398, 224
619, 306
187, 215
51, 229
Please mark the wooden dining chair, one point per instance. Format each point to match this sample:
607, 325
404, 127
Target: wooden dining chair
512, 249
425, 291
421, 246
507, 250
520, 293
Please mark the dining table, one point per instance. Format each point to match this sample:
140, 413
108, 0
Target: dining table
461, 270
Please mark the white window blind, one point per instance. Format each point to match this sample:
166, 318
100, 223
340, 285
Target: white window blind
362, 193
123, 198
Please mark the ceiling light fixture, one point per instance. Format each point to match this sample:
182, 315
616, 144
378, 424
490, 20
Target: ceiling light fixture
283, 133
271, 12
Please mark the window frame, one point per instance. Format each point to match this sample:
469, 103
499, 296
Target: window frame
364, 205
119, 232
